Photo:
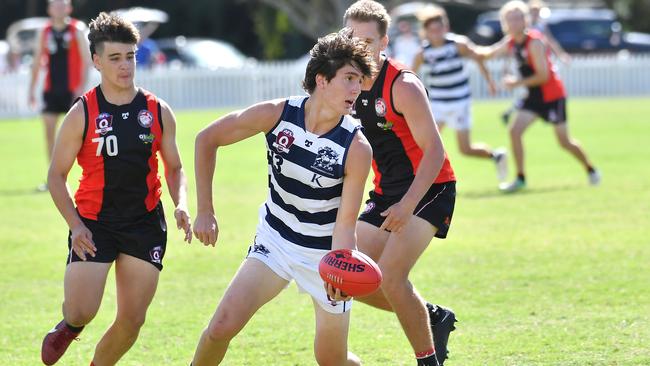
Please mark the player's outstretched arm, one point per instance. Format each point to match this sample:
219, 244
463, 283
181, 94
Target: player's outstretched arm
174, 173
86, 61
499, 49
234, 127
66, 147
417, 62
469, 50
411, 100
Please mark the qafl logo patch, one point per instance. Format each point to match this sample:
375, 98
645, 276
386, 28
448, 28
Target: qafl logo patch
284, 140
103, 123
145, 118
380, 107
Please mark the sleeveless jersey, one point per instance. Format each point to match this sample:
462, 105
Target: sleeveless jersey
305, 177
62, 56
119, 157
553, 88
445, 75
395, 154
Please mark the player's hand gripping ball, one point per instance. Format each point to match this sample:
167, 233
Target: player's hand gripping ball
351, 271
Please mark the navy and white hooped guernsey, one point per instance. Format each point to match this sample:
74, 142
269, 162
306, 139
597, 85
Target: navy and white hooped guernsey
305, 177
446, 76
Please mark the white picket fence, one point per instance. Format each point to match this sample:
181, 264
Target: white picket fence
585, 76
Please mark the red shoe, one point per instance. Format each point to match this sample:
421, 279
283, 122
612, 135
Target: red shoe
56, 342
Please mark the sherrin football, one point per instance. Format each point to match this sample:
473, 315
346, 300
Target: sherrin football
351, 271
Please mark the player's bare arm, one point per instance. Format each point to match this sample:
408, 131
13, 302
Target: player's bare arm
357, 167
36, 68
233, 127
411, 100
66, 147
174, 174
499, 49
469, 50
540, 75
417, 62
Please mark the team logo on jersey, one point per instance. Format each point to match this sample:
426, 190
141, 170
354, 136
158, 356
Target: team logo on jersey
103, 123
147, 138
145, 118
284, 140
326, 160
155, 254
125, 115
364, 102
380, 107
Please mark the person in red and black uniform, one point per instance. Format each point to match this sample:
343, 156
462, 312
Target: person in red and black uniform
116, 132
546, 94
414, 194
63, 49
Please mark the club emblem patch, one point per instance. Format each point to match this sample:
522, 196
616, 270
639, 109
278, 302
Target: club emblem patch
326, 160
380, 107
155, 254
145, 118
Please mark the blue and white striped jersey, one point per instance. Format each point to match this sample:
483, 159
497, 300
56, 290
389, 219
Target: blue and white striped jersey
445, 74
305, 177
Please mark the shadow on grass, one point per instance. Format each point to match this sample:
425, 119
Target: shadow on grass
493, 193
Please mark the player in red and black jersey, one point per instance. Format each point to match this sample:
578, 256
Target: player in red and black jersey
414, 194
63, 49
116, 132
546, 94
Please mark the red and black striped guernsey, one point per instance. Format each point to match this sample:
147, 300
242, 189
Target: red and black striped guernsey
396, 156
118, 157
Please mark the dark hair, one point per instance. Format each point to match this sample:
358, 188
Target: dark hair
369, 11
334, 51
111, 28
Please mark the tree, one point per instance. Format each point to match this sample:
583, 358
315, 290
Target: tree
314, 18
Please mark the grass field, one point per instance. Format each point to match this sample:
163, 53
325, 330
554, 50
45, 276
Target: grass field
556, 275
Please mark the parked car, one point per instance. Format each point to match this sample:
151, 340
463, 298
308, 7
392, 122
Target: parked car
576, 30
21, 38
201, 52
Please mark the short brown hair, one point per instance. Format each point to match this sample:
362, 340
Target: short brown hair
111, 28
369, 11
334, 51
433, 14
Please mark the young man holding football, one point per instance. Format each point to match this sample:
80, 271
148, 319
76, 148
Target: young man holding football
115, 132
318, 162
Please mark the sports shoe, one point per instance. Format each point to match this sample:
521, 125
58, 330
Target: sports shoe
595, 177
42, 188
442, 323
500, 157
515, 186
505, 116
56, 342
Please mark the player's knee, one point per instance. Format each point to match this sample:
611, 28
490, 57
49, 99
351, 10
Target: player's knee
465, 149
132, 323
393, 282
222, 328
566, 143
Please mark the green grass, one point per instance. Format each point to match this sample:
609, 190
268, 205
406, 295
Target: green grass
556, 275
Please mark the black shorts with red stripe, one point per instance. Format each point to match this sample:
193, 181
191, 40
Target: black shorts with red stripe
144, 238
436, 207
553, 112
